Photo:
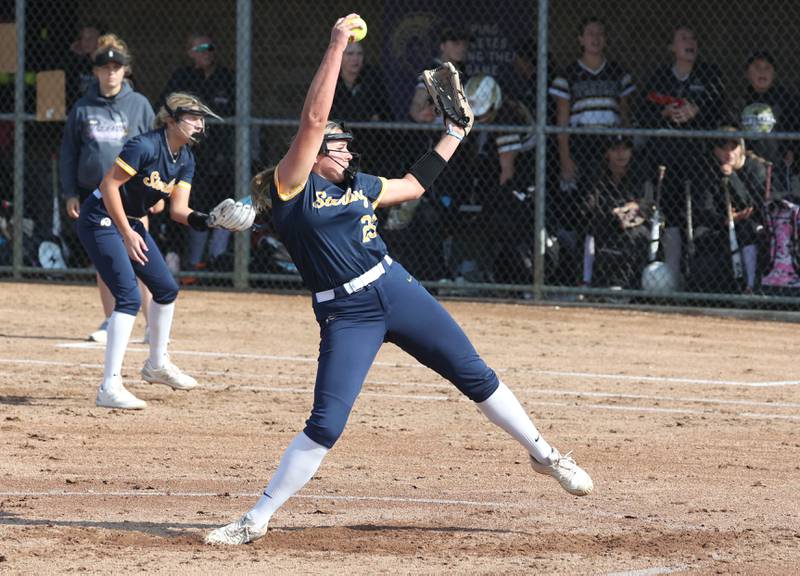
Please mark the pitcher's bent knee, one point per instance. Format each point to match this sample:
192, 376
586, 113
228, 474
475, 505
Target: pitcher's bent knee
324, 433
480, 389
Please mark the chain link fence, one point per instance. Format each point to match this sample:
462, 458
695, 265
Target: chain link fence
623, 151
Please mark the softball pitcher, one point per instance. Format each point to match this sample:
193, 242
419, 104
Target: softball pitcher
157, 165
324, 210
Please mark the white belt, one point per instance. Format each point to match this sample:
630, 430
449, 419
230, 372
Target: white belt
355, 284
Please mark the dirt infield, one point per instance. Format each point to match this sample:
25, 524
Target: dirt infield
688, 425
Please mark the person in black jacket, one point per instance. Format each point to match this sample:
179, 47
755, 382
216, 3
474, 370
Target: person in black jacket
728, 166
767, 106
216, 86
686, 94
361, 97
617, 213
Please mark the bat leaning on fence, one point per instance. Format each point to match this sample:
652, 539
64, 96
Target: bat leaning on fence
687, 191
736, 256
768, 183
655, 219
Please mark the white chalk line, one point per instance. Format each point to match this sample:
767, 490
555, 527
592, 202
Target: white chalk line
769, 416
557, 373
180, 494
444, 385
654, 571
442, 398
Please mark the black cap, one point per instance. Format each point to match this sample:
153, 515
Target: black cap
455, 33
760, 55
111, 55
619, 140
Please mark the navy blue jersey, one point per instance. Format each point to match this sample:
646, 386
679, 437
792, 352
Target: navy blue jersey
330, 233
154, 171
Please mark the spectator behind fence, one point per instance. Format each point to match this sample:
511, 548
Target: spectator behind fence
618, 219
590, 92
361, 96
418, 228
727, 165
470, 187
97, 127
518, 78
489, 191
453, 48
518, 83
216, 86
686, 94
767, 106
78, 66
360, 93
415, 230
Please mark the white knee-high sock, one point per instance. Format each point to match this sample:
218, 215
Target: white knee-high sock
120, 326
298, 464
160, 326
503, 409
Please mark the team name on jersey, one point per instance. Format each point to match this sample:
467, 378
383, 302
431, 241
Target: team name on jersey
323, 200
155, 182
106, 130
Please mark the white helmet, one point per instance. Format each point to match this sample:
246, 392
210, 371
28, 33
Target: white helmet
484, 96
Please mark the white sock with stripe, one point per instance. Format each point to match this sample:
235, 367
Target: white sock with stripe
299, 463
118, 333
503, 409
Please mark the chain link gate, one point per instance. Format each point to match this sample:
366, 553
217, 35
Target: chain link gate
614, 142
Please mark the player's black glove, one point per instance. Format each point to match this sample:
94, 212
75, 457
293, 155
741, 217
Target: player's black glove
444, 88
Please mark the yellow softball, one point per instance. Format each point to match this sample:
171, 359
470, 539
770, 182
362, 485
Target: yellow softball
357, 34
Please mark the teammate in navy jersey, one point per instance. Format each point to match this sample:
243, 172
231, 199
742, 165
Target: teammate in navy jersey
325, 212
154, 166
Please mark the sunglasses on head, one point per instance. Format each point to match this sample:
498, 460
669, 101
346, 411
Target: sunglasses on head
205, 47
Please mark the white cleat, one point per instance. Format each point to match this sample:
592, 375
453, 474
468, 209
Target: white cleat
243, 531
168, 374
572, 477
100, 335
116, 395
